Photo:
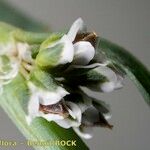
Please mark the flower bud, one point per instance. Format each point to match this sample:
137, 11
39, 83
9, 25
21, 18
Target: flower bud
57, 54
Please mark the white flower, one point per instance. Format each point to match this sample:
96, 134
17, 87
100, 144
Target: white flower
46, 98
83, 50
41, 96
91, 118
80, 53
68, 52
114, 80
84, 53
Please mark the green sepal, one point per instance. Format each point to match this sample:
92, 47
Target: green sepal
90, 77
76, 71
54, 37
49, 58
43, 80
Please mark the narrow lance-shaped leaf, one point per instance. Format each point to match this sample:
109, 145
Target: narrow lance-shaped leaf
131, 66
11, 15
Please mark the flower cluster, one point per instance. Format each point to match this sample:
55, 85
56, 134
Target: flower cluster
70, 60
57, 72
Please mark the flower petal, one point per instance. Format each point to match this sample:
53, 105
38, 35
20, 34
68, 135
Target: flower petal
8, 69
84, 132
68, 52
23, 52
83, 53
75, 113
50, 116
33, 108
77, 26
103, 108
6, 49
59, 53
47, 97
108, 85
119, 83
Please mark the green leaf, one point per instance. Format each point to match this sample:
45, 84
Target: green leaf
29, 37
11, 15
10, 32
12, 101
127, 63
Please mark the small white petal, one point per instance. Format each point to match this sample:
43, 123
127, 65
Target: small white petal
83, 106
23, 52
85, 133
68, 50
83, 53
7, 49
86, 104
32, 87
103, 108
51, 117
87, 66
48, 97
107, 87
11, 73
77, 26
119, 82
107, 72
75, 113
63, 123
33, 105
28, 120
62, 92
115, 80
107, 116
72, 66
